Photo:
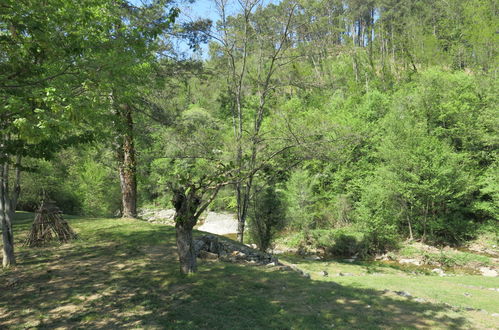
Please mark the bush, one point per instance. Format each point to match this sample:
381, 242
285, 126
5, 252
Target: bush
345, 242
266, 216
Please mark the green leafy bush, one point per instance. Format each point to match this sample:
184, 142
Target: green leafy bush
266, 216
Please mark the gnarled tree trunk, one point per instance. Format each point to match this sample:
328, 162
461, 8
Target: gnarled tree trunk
127, 165
186, 203
185, 248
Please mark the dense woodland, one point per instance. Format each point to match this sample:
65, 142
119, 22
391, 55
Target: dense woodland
376, 120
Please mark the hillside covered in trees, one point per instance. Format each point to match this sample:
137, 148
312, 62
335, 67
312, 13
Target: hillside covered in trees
377, 118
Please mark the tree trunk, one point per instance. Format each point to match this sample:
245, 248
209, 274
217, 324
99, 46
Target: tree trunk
6, 218
411, 236
241, 210
241, 220
243, 200
127, 164
187, 210
185, 248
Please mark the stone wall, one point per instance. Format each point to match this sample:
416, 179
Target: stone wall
215, 247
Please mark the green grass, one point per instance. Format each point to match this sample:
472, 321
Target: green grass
124, 274
446, 258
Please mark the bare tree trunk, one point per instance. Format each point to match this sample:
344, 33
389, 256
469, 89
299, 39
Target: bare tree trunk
425, 220
6, 218
411, 236
127, 163
243, 199
241, 218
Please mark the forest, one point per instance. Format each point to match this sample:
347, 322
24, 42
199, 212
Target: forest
373, 118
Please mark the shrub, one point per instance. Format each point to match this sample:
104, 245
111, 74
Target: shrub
266, 216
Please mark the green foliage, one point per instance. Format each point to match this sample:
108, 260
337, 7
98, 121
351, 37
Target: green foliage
488, 204
453, 259
95, 183
266, 215
45, 179
93, 188
299, 201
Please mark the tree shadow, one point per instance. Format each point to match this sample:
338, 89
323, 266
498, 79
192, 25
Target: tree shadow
124, 285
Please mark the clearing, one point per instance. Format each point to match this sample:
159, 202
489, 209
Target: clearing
124, 274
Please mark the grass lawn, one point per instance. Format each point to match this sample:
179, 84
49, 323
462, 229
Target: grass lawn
124, 274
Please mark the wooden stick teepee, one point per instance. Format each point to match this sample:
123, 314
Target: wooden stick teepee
49, 224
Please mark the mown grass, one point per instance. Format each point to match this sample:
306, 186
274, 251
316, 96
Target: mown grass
124, 274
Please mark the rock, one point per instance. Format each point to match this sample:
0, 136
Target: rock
420, 300
214, 246
13, 281
438, 271
323, 273
495, 314
403, 294
313, 258
349, 260
489, 272
231, 251
271, 264
414, 262
345, 274
241, 256
306, 275
158, 216
467, 294
208, 255
198, 246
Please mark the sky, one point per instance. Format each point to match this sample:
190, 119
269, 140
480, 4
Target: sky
199, 9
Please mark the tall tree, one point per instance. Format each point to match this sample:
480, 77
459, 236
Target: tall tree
137, 41
42, 84
253, 46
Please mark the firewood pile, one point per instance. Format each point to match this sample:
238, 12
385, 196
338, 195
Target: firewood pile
48, 225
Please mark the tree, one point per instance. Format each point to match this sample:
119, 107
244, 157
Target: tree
42, 85
136, 40
267, 214
194, 170
253, 47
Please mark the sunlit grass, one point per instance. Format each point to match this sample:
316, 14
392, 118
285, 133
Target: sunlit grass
124, 274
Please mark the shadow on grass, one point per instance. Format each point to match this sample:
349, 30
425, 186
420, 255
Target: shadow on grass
121, 280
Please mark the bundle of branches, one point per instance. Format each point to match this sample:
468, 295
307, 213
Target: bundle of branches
49, 224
